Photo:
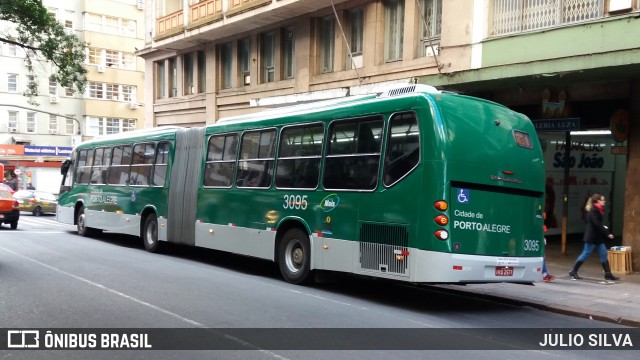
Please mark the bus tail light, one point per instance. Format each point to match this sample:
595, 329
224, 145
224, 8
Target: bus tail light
441, 234
441, 205
441, 220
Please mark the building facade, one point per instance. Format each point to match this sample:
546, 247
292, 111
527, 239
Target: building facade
113, 30
570, 65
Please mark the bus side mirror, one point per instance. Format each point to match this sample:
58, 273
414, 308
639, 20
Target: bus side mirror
65, 167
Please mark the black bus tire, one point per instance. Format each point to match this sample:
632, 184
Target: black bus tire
150, 233
81, 225
294, 257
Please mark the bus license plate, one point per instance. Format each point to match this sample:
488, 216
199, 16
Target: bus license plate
504, 271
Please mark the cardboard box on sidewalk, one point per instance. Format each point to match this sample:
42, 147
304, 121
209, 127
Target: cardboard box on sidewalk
620, 259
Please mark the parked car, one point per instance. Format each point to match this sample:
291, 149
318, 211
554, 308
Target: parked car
36, 202
9, 209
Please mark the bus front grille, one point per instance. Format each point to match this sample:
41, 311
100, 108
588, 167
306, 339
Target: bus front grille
384, 248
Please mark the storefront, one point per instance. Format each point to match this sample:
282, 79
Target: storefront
33, 166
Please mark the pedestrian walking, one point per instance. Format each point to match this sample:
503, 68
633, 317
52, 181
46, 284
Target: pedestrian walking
595, 235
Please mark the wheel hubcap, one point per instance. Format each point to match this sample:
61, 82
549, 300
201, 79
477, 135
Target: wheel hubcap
295, 256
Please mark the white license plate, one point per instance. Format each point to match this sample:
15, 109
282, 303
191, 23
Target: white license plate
504, 271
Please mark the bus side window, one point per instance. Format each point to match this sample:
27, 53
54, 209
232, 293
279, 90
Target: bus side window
299, 156
255, 166
403, 147
353, 157
221, 160
161, 163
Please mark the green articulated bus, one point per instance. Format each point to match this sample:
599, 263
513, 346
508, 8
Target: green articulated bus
411, 184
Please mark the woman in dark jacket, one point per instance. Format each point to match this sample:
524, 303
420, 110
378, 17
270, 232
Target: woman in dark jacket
595, 234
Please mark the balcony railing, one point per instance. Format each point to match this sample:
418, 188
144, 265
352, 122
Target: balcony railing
512, 16
205, 10
170, 23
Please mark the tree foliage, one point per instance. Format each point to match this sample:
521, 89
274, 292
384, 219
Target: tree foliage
44, 38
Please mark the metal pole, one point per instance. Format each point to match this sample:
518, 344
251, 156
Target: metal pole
565, 190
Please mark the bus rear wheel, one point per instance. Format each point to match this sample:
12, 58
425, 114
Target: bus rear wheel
294, 257
150, 233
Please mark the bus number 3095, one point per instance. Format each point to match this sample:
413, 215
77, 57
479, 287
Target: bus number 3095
531, 245
298, 202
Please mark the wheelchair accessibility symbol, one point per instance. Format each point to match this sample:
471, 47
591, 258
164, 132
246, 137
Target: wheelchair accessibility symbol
463, 196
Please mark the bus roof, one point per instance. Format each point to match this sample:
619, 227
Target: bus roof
133, 134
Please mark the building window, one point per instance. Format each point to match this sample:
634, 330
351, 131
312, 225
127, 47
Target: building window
430, 25
112, 58
356, 37
31, 122
12, 123
288, 53
244, 57
202, 72
111, 92
53, 87
188, 64
68, 19
173, 77
12, 50
393, 30
128, 125
128, 61
161, 81
53, 124
95, 56
327, 28
128, 93
95, 90
68, 91
226, 64
12, 82
104, 126
267, 56
70, 126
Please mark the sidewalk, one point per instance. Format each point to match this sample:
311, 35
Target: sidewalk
590, 297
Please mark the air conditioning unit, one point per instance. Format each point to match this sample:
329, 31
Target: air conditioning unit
140, 4
13, 130
100, 68
133, 105
53, 131
53, 99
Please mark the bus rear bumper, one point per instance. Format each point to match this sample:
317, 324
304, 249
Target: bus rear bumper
436, 267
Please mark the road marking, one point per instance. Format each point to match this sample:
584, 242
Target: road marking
142, 302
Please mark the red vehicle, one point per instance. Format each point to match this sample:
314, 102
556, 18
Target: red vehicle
9, 209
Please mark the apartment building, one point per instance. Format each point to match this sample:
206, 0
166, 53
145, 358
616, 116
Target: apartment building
34, 139
572, 66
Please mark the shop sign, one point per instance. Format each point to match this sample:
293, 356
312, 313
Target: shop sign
620, 125
11, 150
32, 150
566, 124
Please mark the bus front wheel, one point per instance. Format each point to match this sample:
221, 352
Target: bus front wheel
150, 233
294, 257
81, 224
